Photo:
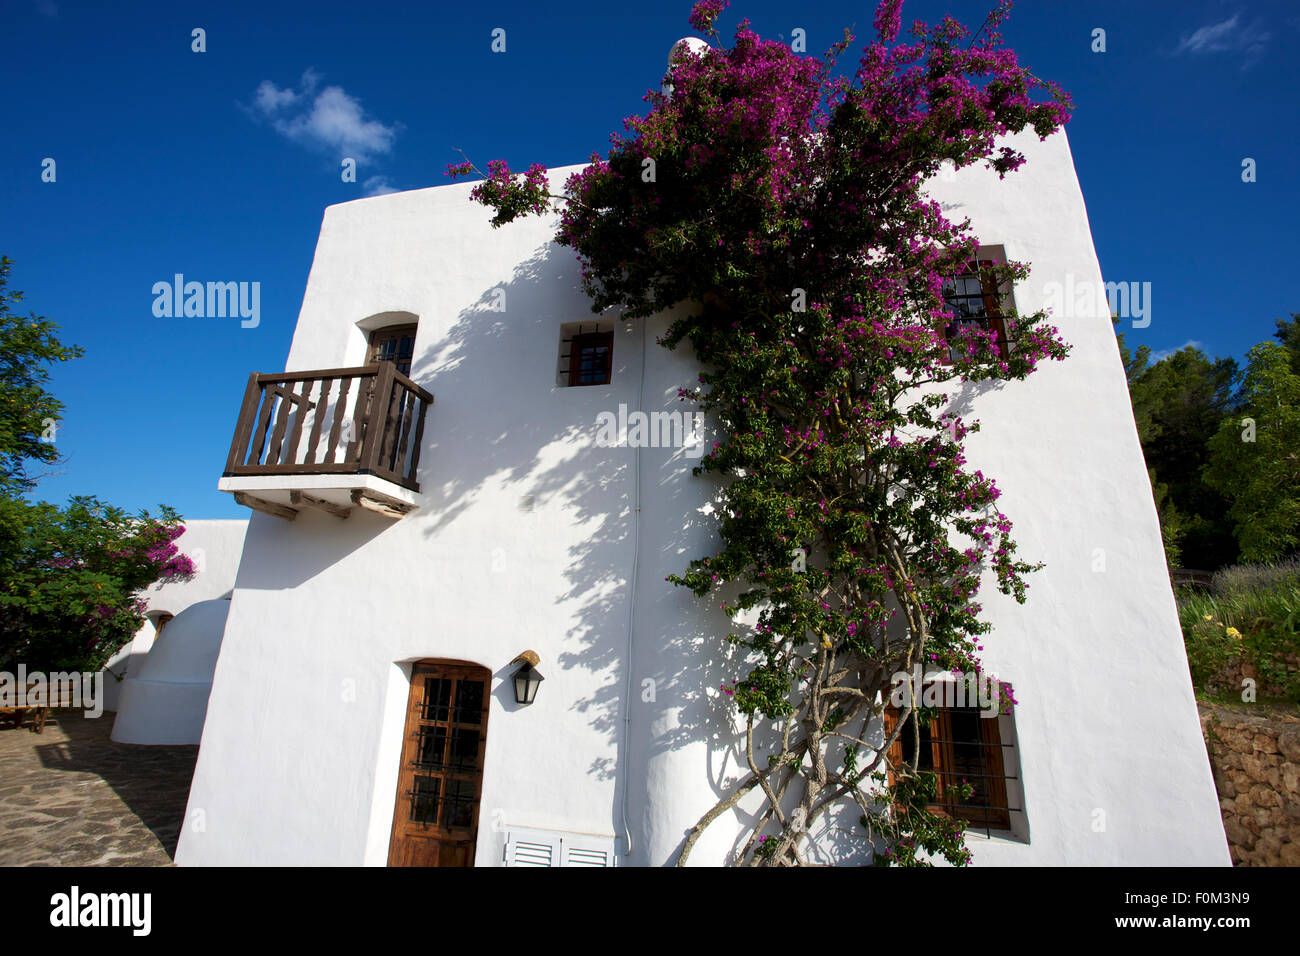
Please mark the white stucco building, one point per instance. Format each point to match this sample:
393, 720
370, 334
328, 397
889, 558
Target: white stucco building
516, 531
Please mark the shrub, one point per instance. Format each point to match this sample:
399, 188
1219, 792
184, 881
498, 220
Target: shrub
1247, 625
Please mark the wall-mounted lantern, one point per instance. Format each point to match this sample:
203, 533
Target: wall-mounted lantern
527, 679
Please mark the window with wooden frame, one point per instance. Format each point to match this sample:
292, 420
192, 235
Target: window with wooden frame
959, 745
394, 343
586, 354
976, 301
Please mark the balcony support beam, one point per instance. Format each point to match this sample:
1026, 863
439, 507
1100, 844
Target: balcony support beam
380, 504
320, 504
260, 504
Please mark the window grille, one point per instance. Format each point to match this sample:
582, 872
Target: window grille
960, 745
586, 354
976, 302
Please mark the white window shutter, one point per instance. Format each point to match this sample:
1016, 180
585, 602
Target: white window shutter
586, 851
529, 847
532, 848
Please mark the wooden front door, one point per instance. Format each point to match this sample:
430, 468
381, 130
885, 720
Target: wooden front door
436, 819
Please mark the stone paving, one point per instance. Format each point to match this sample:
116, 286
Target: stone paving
72, 797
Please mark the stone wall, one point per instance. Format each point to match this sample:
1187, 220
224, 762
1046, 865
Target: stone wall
1255, 755
1232, 677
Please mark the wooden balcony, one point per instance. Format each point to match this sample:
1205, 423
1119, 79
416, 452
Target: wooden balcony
330, 440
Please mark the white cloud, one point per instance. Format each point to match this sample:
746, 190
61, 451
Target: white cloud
1230, 36
1165, 353
331, 119
378, 186
270, 98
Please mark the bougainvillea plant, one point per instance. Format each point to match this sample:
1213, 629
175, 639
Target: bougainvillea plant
784, 197
72, 580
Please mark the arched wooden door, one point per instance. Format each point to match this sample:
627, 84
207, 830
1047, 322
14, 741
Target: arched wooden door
435, 822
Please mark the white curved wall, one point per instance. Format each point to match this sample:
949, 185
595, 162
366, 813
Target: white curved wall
165, 700
214, 545
328, 613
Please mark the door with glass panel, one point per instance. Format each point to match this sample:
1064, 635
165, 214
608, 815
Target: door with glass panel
395, 344
441, 777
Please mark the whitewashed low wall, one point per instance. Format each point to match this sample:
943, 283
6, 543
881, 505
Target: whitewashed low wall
165, 698
214, 545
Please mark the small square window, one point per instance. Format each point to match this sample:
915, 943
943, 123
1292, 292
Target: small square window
586, 354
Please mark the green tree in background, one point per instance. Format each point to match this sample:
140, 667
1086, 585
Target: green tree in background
70, 578
1288, 333
1255, 456
27, 410
1178, 405
73, 578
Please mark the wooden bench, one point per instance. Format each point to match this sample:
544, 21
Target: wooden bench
38, 713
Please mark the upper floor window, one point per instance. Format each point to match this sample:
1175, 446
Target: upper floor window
976, 302
586, 353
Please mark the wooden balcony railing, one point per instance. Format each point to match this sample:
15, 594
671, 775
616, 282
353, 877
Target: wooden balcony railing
365, 421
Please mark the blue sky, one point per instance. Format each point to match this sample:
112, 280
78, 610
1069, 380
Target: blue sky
218, 165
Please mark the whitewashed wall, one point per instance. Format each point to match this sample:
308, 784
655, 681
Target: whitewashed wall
299, 757
214, 545
164, 700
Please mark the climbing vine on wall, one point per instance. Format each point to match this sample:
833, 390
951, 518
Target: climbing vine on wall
782, 195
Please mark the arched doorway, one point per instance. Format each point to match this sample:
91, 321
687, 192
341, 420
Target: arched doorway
435, 821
